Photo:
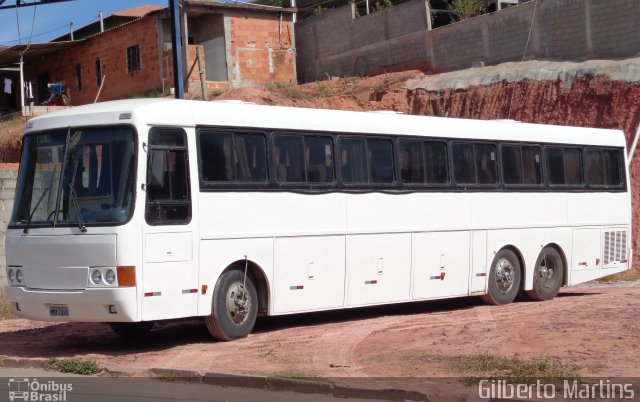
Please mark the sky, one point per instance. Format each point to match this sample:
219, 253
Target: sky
52, 20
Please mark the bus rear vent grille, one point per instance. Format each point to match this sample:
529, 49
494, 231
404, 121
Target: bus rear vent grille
615, 246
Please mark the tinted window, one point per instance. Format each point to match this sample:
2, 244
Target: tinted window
603, 168
464, 167
229, 157
555, 165
486, 163
353, 164
423, 162
251, 161
573, 166
288, 159
435, 155
521, 165
380, 161
168, 192
217, 157
411, 161
564, 166
319, 159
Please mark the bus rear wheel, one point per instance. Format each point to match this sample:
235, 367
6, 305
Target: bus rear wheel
504, 278
235, 306
131, 329
547, 275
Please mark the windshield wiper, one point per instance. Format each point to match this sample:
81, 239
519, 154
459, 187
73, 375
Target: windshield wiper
73, 199
46, 190
26, 228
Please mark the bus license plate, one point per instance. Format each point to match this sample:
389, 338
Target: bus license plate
59, 311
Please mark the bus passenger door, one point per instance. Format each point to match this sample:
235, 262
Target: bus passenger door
169, 277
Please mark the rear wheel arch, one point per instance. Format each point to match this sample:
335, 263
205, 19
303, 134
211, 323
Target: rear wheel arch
564, 262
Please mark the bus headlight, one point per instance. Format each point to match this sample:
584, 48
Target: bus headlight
12, 275
96, 277
19, 276
110, 277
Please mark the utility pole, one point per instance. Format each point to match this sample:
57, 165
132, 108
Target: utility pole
176, 47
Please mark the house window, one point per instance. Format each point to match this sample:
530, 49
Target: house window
79, 76
98, 72
133, 58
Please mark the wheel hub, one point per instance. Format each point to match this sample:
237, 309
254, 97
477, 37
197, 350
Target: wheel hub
546, 271
504, 275
238, 303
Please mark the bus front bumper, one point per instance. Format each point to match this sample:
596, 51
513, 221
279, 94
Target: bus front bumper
87, 305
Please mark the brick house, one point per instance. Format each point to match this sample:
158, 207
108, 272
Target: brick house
241, 45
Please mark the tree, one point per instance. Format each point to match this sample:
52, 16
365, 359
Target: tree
465, 9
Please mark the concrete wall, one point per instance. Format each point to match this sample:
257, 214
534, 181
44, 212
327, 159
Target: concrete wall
337, 43
8, 175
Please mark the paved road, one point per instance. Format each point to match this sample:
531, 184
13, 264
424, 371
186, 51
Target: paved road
103, 389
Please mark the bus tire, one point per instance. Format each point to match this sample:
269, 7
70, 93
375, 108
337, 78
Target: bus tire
504, 278
233, 312
547, 275
131, 329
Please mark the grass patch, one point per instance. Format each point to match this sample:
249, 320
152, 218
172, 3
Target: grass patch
475, 367
628, 275
73, 366
6, 311
322, 91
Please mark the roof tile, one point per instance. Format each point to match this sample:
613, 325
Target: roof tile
137, 12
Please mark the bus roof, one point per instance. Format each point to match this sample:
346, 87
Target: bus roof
171, 112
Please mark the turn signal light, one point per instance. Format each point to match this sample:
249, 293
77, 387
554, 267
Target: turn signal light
126, 276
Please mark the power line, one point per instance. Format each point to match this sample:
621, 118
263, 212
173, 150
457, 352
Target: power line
44, 33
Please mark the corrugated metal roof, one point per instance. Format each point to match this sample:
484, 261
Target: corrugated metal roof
33, 51
137, 12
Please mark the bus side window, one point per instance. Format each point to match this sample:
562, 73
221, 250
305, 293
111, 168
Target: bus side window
288, 158
573, 166
216, 156
554, 157
168, 189
613, 168
380, 154
521, 165
464, 168
319, 159
353, 158
486, 163
531, 165
411, 161
436, 162
603, 167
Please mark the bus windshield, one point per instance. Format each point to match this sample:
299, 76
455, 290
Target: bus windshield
75, 176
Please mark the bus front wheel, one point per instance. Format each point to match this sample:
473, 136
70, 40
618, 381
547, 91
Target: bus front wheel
234, 306
548, 275
504, 278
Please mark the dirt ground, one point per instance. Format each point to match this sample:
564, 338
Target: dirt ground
596, 327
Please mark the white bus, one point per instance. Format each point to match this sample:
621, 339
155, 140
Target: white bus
135, 211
